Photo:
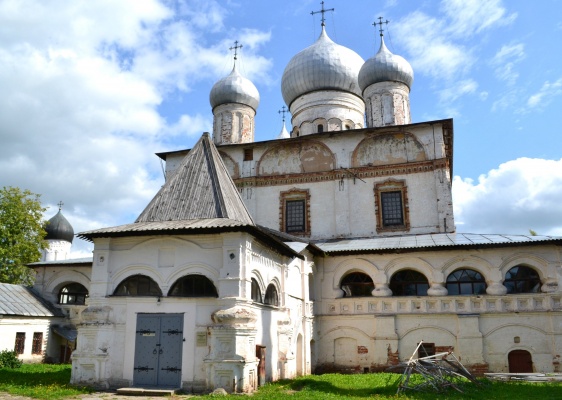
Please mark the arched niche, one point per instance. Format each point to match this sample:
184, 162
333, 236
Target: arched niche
385, 149
295, 158
231, 165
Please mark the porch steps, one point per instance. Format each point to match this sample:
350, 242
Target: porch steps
132, 391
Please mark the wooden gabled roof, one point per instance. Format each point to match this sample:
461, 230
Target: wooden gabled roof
201, 188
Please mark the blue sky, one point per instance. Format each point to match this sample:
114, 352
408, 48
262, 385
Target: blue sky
91, 90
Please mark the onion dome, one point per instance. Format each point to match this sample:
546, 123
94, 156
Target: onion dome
384, 67
284, 134
58, 228
234, 88
324, 65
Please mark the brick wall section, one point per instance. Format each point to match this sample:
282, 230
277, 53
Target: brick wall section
477, 369
392, 358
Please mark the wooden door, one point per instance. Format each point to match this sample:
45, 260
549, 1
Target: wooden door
260, 354
520, 361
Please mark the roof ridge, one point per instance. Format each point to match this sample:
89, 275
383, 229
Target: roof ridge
201, 188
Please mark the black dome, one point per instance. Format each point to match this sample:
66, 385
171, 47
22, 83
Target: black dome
58, 228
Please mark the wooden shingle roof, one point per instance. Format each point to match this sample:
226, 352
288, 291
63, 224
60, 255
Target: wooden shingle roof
201, 188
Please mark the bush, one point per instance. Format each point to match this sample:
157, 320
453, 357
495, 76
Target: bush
9, 359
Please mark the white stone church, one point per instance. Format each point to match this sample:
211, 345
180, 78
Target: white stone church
330, 248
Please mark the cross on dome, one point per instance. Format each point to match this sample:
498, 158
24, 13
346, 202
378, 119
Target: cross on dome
322, 11
60, 204
235, 48
381, 30
283, 111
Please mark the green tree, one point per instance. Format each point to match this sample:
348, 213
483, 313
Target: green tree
21, 234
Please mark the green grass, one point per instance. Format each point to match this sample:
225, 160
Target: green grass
384, 386
40, 381
51, 382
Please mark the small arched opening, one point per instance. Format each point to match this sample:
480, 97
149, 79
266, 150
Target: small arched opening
193, 286
409, 283
138, 285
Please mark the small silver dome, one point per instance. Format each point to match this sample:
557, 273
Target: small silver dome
324, 65
234, 88
385, 66
284, 134
58, 228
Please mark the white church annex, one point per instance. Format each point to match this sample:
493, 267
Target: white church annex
333, 249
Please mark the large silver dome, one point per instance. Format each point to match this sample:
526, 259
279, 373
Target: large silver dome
324, 65
234, 88
385, 66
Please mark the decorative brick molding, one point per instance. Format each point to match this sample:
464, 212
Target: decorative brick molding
290, 195
337, 174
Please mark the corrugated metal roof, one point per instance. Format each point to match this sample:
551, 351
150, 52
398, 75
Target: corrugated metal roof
429, 241
159, 226
22, 301
201, 188
72, 261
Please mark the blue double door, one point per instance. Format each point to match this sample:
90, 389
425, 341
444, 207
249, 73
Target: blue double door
158, 350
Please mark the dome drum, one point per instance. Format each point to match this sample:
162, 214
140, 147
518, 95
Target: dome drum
233, 123
327, 105
387, 103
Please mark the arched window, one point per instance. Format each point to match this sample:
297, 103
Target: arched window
357, 284
73, 293
408, 283
256, 292
320, 128
193, 286
466, 281
138, 285
521, 279
271, 296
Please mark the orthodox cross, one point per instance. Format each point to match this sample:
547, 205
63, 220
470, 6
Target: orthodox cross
235, 48
322, 11
282, 111
380, 25
60, 205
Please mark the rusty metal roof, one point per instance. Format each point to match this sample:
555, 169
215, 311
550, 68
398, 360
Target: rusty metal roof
430, 241
201, 188
19, 300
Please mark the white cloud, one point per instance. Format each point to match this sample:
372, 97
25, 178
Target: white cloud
545, 95
443, 46
431, 52
468, 17
505, 59
82, 83
519, 195
457, 90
